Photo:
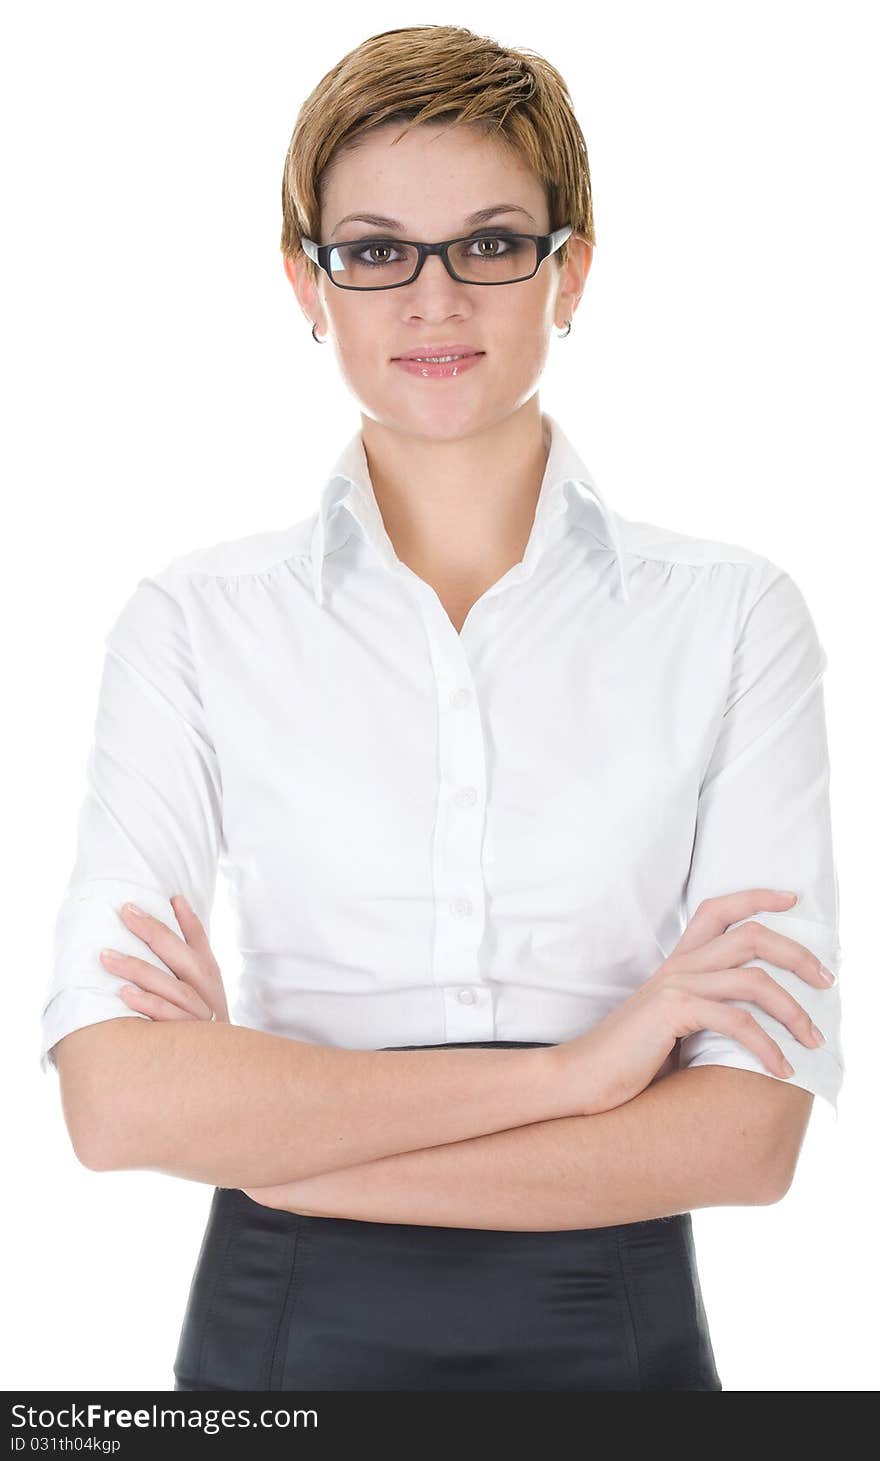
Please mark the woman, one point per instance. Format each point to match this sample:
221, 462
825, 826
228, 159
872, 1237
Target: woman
468, 744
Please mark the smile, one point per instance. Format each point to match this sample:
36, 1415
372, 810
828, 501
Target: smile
439, 367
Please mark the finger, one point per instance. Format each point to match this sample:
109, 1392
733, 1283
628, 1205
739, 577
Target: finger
153, 1005
752, 940
715, 915
166, 944
729, 1019
147, 977
264, 1195
760, 942
190, 923
759, 987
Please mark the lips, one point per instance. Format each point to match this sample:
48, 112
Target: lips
426, 351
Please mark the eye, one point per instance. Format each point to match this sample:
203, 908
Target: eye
494, 252
374, 246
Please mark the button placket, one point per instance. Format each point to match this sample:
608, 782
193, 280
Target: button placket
459, 889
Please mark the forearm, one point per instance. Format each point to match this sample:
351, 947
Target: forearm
698, 1138
235, 1107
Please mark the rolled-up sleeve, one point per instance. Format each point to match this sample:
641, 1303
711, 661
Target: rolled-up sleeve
150, 823
764, 820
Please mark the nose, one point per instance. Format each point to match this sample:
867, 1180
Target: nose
434, 287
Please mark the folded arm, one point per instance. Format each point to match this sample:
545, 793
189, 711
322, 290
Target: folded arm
711, 1136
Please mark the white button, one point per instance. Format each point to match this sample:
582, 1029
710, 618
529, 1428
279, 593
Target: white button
466, 796
466, 996
461, 698
461, 907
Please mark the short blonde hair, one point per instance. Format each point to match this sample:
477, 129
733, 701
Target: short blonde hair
429, 73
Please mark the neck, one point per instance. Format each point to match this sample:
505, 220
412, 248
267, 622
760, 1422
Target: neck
460, 509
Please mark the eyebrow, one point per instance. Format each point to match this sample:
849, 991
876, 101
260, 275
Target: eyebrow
483, 215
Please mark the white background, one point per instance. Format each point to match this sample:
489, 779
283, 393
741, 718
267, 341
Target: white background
164, 393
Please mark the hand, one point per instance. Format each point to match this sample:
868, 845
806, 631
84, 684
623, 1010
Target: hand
623, 1054
286, 1198
196, 993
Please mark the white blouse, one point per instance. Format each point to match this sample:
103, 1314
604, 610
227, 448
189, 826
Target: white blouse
432, 836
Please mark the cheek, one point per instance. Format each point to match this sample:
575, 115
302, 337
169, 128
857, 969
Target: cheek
362, 326
524, 332
361, 360
361, 341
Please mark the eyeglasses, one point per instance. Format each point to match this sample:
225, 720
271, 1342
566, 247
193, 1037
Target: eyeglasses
390, 263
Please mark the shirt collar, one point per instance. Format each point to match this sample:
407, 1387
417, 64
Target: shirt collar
348, 500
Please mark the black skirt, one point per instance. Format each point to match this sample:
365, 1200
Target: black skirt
284, 1301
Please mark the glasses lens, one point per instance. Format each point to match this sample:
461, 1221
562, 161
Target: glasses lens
372, 263
380, 263
501, 260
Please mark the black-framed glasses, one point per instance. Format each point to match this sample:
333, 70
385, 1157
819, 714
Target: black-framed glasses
389, 263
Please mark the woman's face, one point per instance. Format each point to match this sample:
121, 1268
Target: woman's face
430, 182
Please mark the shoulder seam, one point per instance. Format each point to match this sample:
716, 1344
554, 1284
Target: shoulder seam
766, 582
750, 559
179, 567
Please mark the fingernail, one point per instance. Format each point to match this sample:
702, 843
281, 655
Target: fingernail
133, 908
817, 1034
827, 975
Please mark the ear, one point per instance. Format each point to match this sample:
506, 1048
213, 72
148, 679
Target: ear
304, 287
573, 275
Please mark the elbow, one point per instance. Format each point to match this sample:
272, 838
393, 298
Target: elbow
91, 1154
88, 1138
773, 1171
86, 1060
763, 1133
95, 1142
792, 1109
758, 1178
771, 1180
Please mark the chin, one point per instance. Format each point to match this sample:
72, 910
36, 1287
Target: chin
444, 420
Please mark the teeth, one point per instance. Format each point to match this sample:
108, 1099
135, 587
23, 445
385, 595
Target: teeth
435, 359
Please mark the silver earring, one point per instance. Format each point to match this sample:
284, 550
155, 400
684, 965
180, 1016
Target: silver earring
565, 333
314, 336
